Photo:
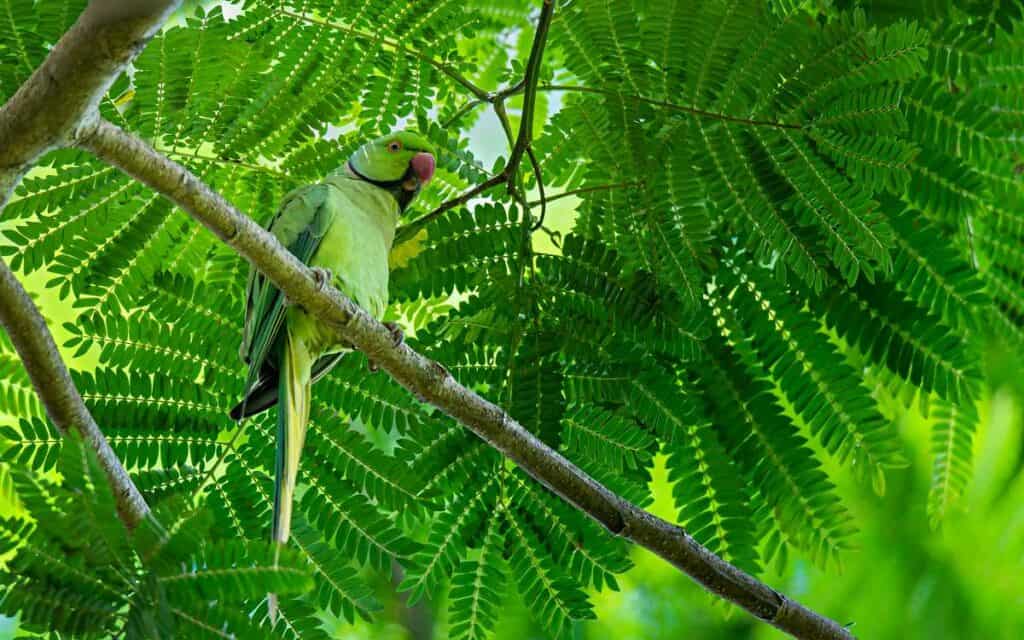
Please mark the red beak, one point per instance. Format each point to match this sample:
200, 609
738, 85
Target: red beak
423, 165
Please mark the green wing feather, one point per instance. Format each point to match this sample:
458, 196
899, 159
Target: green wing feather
300, 225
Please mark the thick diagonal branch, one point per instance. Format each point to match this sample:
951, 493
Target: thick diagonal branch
430, 381
52, 381
59, 102
60, 96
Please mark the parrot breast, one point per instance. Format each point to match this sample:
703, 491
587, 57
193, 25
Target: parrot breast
355, 249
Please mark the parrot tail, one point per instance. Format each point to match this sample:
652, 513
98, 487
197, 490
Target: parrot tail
260, 398
264, 394
292, 416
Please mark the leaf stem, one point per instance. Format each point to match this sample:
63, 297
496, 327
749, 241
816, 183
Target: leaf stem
582, 190
671, 106
462, 111
270, 171
444, 67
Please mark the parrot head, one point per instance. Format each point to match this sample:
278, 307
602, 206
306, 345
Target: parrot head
400, 162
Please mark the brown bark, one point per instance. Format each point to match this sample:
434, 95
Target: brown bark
431, 382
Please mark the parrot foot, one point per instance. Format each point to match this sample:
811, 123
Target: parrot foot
396, 333
439, 369
322, 276
397, 336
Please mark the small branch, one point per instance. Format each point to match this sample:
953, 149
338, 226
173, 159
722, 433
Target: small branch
52, 381
540, 187
508, 174
671, 106
186, 156
529, 84
394, 45
506, 125
432, 382
462, 111
409, 230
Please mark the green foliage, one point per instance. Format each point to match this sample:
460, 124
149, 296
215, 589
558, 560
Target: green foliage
777, 204
77, 571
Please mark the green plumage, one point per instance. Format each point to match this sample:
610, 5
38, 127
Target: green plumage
344, 226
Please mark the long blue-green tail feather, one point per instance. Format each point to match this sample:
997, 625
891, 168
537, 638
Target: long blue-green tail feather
294, 386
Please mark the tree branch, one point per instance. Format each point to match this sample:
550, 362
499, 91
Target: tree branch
64, 92
530, 78
61, 95
52, 381
543, 201
432, 382
462, 111
497, 100
58, 103
409, 230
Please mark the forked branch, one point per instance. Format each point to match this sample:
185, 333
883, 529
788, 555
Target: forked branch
508, 174
59, 97
63, 93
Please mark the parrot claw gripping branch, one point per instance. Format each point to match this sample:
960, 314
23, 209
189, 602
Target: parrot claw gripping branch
397, 335
288, 347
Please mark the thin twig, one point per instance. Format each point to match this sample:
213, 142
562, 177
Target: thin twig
377, 39
430, 381
409, 230
462, 111
554, 236
540, 187
185, 156
506, 125
576, 192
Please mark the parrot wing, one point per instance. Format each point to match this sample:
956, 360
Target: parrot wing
300, 225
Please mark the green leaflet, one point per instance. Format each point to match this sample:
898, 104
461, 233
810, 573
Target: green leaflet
765, 207
806, 367
75, 569
478, 587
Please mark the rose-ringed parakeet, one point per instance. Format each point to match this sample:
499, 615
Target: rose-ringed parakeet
343, 228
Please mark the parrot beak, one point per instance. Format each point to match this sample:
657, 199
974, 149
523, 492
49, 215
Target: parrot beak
423, 166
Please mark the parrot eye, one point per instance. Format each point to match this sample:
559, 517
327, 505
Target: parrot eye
394, 146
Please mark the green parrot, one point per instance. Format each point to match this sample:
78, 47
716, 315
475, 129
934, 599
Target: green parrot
343, 228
